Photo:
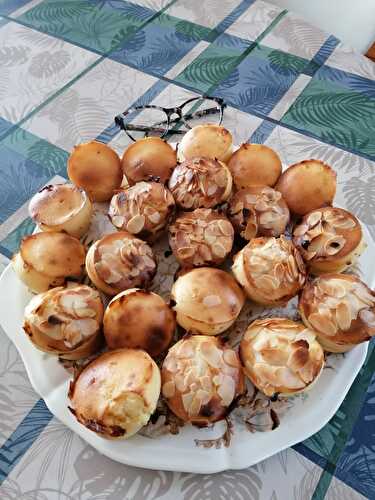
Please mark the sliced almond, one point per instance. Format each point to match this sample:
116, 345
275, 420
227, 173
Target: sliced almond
367, 317
195, 406
154, 217
136, 224
322, 324
267, 282
226, 390
251, 199
314, 218
300, 230
225, 227
219, 250
343, 316
250, 231
212, 354
230, 357
203, 396
334, 245
118, 220
187, 400
185, 252
344, 223
169, 389
292, 266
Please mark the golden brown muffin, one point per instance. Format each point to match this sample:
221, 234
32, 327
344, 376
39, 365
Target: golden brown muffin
49, 259
201, 377
200, 183
61, 207
116, 394
201, 238
65, 322
281, 356
120, 261
341, 309
307, 185
96, 168
258, 211
139, 319
143, 209
253, 165
208, 140
207, 300
148, 159
271, 270
329, 239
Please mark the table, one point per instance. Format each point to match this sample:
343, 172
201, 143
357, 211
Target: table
67, 67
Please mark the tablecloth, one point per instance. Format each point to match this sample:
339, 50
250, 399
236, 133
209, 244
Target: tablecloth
67, 67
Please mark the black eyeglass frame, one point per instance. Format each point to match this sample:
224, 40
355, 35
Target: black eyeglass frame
169, 112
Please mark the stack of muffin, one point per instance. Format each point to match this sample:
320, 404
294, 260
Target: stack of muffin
208, 197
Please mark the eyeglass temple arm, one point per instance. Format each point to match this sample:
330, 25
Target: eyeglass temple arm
119, 120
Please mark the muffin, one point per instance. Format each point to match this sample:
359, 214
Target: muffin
200, 183
96, 168
143, 209
139, 319
258, 211
65, 321
148, 159
201, 377
281, 356
307, 185
116, 394
253, 165
340, 308
49, 259
201, 238
329, 239
270, 270
206, 300
208, 140
120, 261
61, 207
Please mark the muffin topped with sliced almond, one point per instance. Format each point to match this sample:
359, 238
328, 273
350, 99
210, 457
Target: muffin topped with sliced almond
201, 377
143, 209
329, 239
203, 237
341, 309
258, 211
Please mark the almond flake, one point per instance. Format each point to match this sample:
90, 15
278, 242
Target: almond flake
230, 357
300, 230
169, 389
225, 227
136, 224
226, 391
219, 250
343, 316
314, 218
367, 317
154, 217
187, 400
250, 231
211, 354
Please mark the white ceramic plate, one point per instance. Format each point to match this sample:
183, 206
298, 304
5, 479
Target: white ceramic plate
307, 414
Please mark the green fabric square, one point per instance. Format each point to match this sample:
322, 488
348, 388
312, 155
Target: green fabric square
335, 114
95, 25
51, 159
209, 68
11, 243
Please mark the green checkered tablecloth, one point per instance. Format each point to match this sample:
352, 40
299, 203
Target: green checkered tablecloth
66, 68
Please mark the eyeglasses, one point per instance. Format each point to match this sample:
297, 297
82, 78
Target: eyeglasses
156, 121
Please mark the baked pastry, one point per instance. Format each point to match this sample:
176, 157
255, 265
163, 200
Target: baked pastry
120, 261
116, 394
49, 259
253, 165
208, 140
143, 209
307, 185
258, 211
201, 377
200, 182
201, 238
271, 270
96, 168
61, 207
340, 308
329, 239
281, 356
65, 321
139, 319
206, 300
148, 159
